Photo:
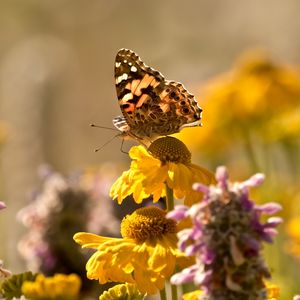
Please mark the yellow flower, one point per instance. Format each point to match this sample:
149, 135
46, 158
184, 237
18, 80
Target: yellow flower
273, 291
192, 295
293, 230
146, 255
167, 161
58, 287
249, 98
126, 291
287, 126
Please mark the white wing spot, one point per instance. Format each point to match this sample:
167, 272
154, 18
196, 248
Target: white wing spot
133, 69
122, 77
127, 97
118, 64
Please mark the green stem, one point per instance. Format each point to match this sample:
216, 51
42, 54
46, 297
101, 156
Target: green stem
250, 152
174, 292
170, 198
170, 206
187, 287
163, 294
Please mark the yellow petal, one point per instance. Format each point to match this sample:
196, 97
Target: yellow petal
202, 175
89, 240
155, 176
138, 153
139, 193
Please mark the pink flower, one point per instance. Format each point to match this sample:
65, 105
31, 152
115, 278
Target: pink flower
2, 205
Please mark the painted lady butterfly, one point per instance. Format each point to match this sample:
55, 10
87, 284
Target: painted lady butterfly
151, 105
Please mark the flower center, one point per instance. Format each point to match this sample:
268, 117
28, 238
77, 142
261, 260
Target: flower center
147, 223
170, 149
122, 291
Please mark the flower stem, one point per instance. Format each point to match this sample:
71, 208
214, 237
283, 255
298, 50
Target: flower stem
170, 206
251, 153
170, 198
163, 294
174, 292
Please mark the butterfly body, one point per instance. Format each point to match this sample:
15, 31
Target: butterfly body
151, 105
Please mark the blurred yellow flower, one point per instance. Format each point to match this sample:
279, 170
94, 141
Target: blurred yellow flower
167, 161
285, 127
192, 295
146, 255
273, 291
293, 230
254, 96
126, 291
58, 287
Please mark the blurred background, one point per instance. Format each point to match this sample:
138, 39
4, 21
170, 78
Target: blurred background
240, 58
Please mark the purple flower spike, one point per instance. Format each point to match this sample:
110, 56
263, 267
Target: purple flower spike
222, 177
3, 272
255, 180
208, 256
73, 200
226, 239
269, 208
2, 205
204, 279
184, 276
178, 213
274, 222
199, 187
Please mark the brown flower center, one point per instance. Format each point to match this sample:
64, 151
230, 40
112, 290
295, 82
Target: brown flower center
147, 223
170, 149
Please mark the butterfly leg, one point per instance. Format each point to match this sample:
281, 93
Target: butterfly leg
121, 148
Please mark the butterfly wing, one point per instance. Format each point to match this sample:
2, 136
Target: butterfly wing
151, 106
135, 84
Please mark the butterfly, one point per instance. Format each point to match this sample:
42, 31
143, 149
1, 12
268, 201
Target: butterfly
151, 106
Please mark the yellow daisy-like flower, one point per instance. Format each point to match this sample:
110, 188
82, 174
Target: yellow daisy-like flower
126, 291
167, 161
293, 230
146, 255
248, 98
287, 126
58, 287
273, 291
192, 295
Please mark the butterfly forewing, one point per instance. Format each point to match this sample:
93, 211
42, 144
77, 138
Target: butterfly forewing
135, 83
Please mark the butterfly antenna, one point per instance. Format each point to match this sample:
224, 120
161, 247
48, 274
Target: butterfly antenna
97, 149
104, 127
